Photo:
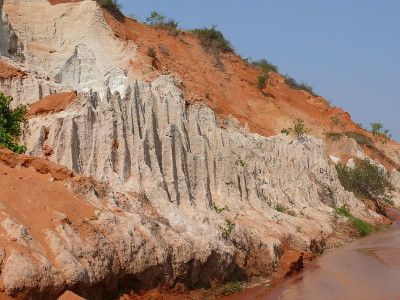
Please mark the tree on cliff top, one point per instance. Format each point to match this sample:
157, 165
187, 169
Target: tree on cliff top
10, 124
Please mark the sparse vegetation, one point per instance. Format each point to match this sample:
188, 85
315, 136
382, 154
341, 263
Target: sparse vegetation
212, 37
362, 227
336, 121
380, 134
292, 83
236, 287
299, 128
12, 121
389, 201
262, 82
334, 135
232, 287
229, 226
160, 20
220, 209
360, 138
113, 6
365, 180
264, 66
240, 162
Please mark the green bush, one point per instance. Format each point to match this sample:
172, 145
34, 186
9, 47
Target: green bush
213, 37
364, 180
159, 19
334, 135
262, 82
299, 128
265, 66
380, 134
227, 230
292, 83
360, 138
362, 227
10, 124
113, 6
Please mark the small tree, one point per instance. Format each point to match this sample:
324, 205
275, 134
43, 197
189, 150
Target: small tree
159, 19
10, 124
380, 134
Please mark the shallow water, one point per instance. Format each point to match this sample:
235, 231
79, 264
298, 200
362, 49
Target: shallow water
368, 268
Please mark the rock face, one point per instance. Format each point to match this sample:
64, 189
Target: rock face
129, 186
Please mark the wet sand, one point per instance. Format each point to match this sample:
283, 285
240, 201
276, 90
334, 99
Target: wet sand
368, 268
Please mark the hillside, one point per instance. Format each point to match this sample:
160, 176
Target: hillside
153, 160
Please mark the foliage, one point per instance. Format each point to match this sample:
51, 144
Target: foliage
236, 287
299, 128
336, 121
286, 131
389, 201
380, 134
360, 138
113, 6
334, 135
220, 209
291, 82
265, 66
159, 19
213, 37
229, 226
362, 227
261, 82
365, 179
280, 208
10, 124
240, 162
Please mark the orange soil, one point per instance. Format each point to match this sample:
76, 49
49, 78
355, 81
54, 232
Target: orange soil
52, 103
32, 191
8, 71
231, 90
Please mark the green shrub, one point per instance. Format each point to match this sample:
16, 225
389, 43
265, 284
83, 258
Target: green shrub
265, 66
364, 180
113, 6
286, 131
10, 124
227, 230
236, 287
380, 134
292, 83
213, 37
280, 208
388, 201
360, 138
159, 19
334, 135
262, 82
362, 227
299, 128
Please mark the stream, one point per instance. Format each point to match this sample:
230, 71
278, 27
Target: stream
368, 268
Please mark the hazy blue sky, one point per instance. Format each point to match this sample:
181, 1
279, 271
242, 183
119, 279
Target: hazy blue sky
348, 50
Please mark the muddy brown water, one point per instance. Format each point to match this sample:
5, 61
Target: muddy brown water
368, 268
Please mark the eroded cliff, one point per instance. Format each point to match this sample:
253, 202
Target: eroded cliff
135, 180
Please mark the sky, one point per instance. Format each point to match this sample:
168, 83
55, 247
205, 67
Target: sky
347, 50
